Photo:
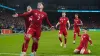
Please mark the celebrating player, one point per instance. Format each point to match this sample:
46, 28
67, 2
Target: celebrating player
27, 24
34, 30
77, 24
82, 48
63, 30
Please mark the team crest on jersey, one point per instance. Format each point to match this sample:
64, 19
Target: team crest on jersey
42, 15
35, 13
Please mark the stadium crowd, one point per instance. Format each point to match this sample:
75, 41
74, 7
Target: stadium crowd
8, 22
16, 24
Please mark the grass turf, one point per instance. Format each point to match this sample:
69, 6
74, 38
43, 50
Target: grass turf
49, 44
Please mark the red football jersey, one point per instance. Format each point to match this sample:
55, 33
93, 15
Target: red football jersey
84, 40
76, 22
27, 20
37, 18
63, 22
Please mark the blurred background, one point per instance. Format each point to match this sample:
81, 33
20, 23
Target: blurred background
91, 20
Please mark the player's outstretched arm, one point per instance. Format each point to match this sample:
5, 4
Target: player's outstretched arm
22, 15
57, 24
25, 14
90, 41
15, 15
47, 20
81, 23
68, 24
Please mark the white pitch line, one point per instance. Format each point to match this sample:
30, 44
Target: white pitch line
10, 54
16, 54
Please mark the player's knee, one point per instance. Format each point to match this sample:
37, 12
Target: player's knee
85, 52
76, 51
28, 35
82, 51
59, 35
79, 35
74, 33
26, 40
35, 40
65, 37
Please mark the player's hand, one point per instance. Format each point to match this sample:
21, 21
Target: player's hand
52, 27
91, 44
68, 28
56, 26
15, 15
79, 24
72, 24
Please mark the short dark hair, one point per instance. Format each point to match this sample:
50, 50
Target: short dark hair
76, 13
41, 3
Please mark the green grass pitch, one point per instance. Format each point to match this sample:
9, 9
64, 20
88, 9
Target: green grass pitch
49, 45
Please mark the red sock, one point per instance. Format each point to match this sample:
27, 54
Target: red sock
33, 47
74, 36
25, 44
65, 40
36, 46
60, 39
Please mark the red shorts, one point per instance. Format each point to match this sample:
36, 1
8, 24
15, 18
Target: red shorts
64, 32
34, 32
76, 30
